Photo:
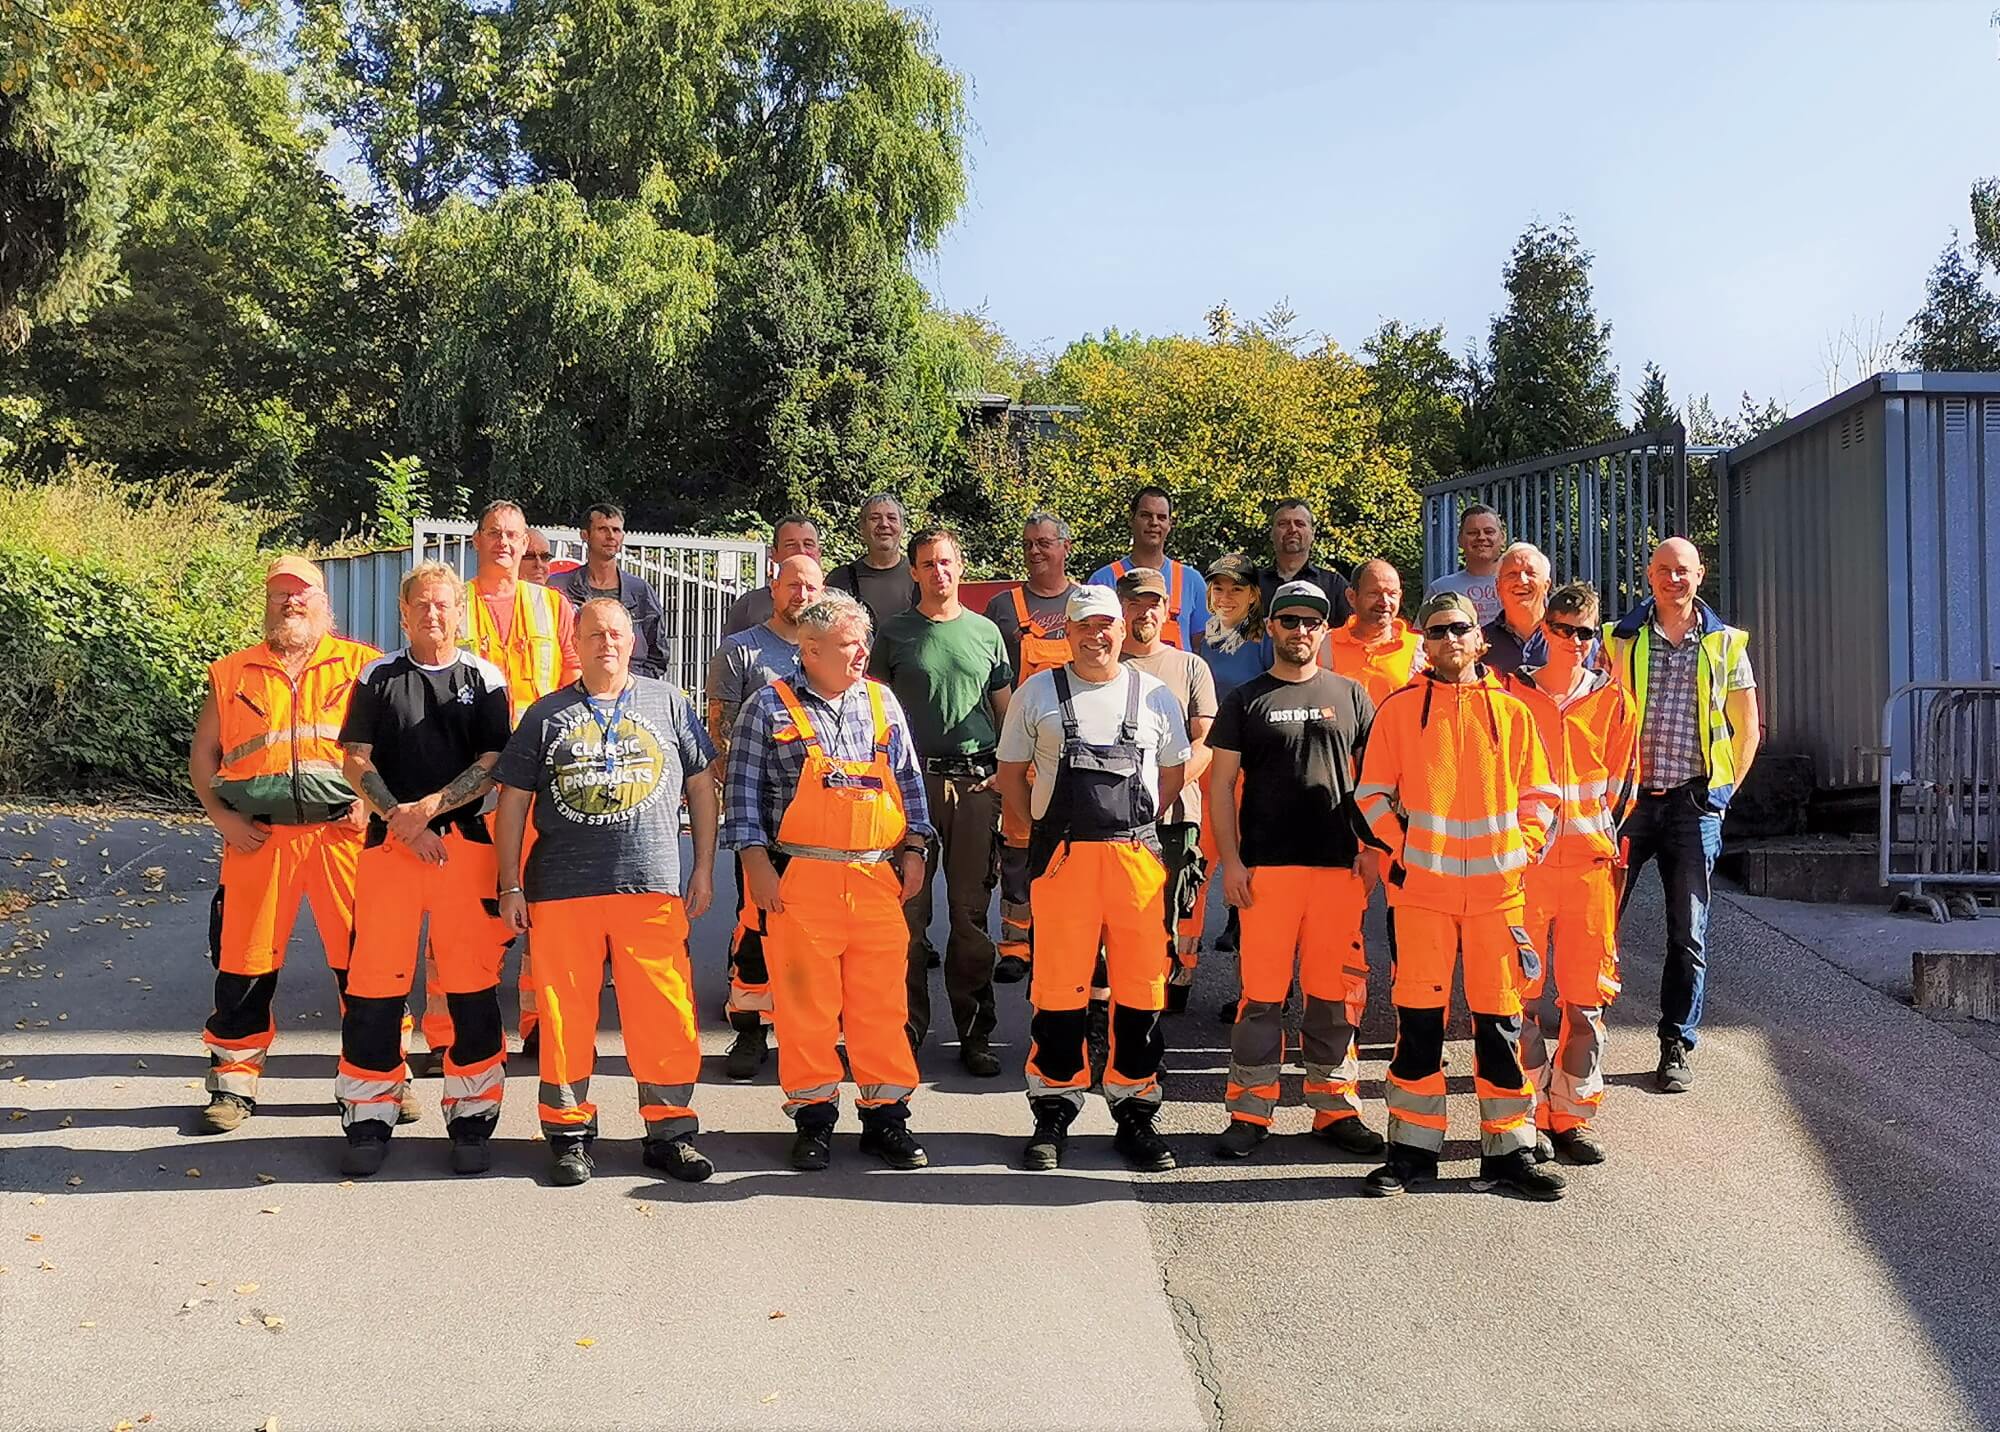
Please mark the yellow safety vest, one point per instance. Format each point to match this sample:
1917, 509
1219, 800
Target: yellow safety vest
531, 656
1628, 653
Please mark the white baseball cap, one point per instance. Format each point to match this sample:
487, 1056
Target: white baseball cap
1092, 600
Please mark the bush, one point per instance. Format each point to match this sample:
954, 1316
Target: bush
112, 604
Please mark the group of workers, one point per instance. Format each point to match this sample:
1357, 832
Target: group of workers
1100, 751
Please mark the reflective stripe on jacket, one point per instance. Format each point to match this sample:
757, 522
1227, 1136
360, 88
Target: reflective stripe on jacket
1456, 784
1628, 653
531, 656
281, 738
1593, 748
1380, 667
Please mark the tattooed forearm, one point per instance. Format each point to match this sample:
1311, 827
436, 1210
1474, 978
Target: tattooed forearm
376, 792
471, 783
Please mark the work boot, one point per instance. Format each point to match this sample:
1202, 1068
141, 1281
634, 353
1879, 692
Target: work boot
1051, 1137
364, 1153
409, 1111
224, 1112
678, 1158
1580, 1145
1240, 1138
1232, 933
977, 1055
1545, 1147
1350, 1136
1518, 1173
471, 1151
1144, 1150
746, 1056
890, 1140
812, 1147
1406, 1168
1674, 1075
573, 1165
1009, 969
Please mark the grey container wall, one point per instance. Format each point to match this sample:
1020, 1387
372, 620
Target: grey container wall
1862, 551
362, 590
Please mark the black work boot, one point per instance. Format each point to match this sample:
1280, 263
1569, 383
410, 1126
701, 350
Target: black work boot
885, 1133
572, 1160
1240, 1139
746, 1056
1350, 1136
1144, 1150
366, 1148
1051, 1137
977, 1055
677, 1158
1675, 1075
812, 1147
1518, 1173
1009, 969
1406, 1168
471, 1141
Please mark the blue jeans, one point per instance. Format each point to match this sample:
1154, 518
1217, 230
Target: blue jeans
1679, 830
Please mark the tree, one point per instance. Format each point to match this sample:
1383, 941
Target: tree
1227, 426
1544, 382
1652, 404
1419, 396
1958, 328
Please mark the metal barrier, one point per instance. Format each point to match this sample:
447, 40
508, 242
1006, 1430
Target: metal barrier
1940, 812
1597, 512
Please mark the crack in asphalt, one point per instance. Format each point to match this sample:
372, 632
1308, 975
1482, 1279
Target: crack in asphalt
1194, 1343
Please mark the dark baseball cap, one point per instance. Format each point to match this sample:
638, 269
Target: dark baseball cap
1142, 579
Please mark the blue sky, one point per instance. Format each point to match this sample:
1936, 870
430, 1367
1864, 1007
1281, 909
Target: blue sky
1755, 181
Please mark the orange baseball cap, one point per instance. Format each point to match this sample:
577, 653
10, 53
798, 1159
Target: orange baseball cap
292, 565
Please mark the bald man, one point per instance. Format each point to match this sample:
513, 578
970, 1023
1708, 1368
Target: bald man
1689, 675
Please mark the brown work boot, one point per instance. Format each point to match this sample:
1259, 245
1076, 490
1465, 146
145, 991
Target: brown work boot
224, 1113
409, 1111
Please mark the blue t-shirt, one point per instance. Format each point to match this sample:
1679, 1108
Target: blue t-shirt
1193, 615
1232, 668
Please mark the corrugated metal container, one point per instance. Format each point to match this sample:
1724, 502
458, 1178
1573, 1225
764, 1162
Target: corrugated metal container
1862, 551
363, 590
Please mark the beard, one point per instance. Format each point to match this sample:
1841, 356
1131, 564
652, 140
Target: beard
291, 635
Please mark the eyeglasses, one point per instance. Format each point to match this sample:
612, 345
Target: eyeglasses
537, 556
1564, 629
1300, 623
1449, 631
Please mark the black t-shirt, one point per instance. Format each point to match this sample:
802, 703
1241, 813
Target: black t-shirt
1300, 744
1329, 579
885, 591
427, 724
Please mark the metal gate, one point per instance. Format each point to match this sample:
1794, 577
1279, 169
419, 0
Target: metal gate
697, 579
1597, 512
1940, 816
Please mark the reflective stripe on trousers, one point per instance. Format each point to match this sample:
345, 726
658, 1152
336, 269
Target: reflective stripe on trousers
473, 1091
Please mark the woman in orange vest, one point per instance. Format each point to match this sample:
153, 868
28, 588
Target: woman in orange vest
824, 799
1455, 785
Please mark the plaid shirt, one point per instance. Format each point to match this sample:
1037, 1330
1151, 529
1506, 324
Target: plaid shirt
1670, 752
763, 772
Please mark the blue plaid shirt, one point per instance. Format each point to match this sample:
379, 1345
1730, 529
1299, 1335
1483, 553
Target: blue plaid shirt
763, 772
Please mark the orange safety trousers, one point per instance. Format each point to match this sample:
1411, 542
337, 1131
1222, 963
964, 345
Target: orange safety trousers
1309, 917
1499, 964
1572, 921
437, 1007
394, 894
1107, 894
646, 939
749, 1002
260, 893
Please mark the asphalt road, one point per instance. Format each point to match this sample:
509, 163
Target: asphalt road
1809, 1238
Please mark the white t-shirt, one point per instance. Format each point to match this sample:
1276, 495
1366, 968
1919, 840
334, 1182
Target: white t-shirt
1034, 729
1482, 592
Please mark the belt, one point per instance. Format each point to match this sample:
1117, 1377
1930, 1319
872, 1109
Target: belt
1674, 790
981, 764
827, 852
314, 815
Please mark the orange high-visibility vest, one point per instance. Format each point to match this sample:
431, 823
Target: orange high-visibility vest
842, 810
281, 738
531, 656
1170, 633
1039, 651
1593, 749
1456, 784
1380, 668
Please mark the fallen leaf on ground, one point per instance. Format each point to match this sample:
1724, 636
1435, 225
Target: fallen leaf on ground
34, 1237
274, 1322
86, 1325
776, 1313
192, 1303
67, 1120
267, 1178
769, 1397
75, 1180
246, 1289
38, 1200
246, 1321
586, 1342
141, 1063
272, 1209
194, 1173
269, 1424
46, 1266
17, 1114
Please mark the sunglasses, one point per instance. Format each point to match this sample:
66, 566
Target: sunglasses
537, 556
1300, 623
1564, 629
1448, 631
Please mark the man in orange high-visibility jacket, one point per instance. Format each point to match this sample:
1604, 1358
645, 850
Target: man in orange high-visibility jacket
824, 798
529, 632
1374, 647
1590, 730
265, 764
1456, 785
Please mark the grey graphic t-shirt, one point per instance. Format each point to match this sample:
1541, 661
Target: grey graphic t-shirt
607, 774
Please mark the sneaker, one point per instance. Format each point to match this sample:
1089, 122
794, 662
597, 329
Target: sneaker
1405, 1169
1051, 1137
891, 1141
678, 1158
573, 1165
470, 1153
1240, 1138
1580, 1145
1144, 1150
746, 1056
409, 1111
1674, 1075
1009, 969
812, 1148
1351, 1136
1545, 1147
224, 1112
364, 1154
1518, 1173
978, 1058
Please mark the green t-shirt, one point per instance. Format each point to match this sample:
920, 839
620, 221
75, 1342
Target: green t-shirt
944, 673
